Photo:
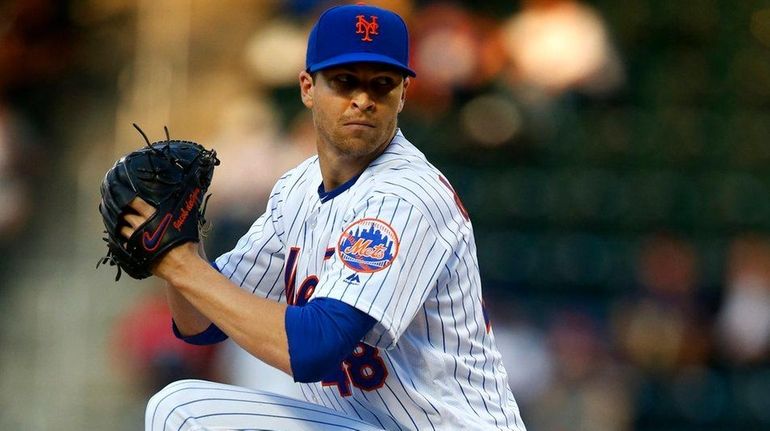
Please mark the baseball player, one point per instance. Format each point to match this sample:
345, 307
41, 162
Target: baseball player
360, 280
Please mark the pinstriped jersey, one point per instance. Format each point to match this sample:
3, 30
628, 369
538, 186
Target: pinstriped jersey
397, 244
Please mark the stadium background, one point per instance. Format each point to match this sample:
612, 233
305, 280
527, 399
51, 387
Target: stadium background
612, 155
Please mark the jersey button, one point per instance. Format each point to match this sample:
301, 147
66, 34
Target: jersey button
312, 220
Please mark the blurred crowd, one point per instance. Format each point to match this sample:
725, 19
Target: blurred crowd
34, 50
662, 355
610, 155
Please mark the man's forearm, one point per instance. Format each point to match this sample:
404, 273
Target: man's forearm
188, 319
203, 295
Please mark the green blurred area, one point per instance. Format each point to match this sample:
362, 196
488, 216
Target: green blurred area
683, 147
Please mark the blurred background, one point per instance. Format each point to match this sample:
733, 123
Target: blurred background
613, 157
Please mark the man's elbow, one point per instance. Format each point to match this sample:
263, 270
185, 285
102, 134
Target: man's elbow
320, 335
312, 366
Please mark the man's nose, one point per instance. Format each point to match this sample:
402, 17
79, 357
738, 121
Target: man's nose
363, 101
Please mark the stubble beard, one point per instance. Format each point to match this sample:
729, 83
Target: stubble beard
354, 146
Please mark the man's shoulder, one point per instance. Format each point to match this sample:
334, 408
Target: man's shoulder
401, 158
406, 174
417, 183
404, 167
296, 175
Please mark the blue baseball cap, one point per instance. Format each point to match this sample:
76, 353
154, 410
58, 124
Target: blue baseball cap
358, 33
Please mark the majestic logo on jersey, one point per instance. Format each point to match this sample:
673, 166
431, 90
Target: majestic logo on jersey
352, 279
367, 28
368, 245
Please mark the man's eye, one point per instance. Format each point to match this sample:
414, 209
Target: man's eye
384, 82
344, 79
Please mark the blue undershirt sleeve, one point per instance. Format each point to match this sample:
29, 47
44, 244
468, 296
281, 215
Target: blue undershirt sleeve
321, 334
211, 335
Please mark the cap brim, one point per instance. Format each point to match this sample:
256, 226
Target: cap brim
360, 57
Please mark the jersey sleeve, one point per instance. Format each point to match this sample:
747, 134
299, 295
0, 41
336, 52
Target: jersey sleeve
256, 262
388, 259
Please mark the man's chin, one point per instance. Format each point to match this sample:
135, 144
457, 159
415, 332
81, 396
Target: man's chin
359, 134
357, 146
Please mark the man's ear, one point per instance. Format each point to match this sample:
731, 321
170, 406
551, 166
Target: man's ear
407, 80
306, 88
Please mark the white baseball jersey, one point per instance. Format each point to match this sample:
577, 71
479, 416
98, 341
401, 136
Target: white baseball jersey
397, 244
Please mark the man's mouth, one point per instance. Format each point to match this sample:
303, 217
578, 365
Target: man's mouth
359, 123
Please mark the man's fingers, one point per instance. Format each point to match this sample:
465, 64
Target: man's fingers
142, 207
127, 231
144, 212
134, 220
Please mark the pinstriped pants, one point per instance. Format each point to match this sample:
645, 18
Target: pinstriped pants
189, 405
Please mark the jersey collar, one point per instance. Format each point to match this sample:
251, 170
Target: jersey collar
331, 194
327, 196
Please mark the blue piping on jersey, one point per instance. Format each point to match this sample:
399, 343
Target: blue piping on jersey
331, 194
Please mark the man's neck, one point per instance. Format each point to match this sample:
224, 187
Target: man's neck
337, 169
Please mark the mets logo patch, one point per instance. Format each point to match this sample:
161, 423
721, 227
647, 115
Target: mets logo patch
368, 245
367, 28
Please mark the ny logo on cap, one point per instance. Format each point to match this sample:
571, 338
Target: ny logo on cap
366, 28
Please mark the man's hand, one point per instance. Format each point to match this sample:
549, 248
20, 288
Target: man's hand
143, 212
153, 200
173, 260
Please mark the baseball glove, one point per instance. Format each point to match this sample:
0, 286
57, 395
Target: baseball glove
172, 176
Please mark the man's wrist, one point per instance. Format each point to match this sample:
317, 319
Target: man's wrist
178, 263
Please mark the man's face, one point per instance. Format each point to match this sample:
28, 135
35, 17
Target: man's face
354, 106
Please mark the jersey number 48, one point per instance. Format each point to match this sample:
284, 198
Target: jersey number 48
363, 368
